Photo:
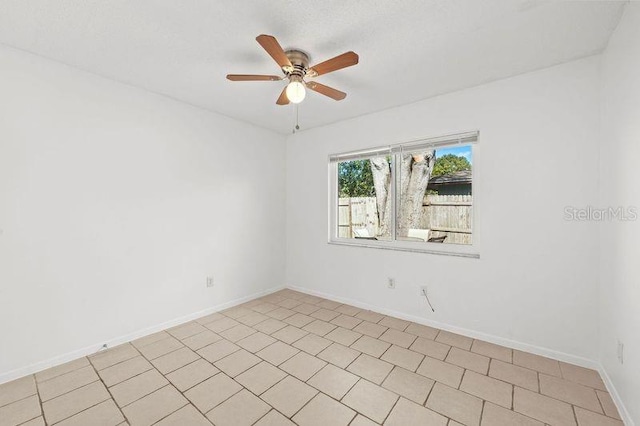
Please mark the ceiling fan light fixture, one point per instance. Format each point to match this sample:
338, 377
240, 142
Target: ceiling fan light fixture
296, 91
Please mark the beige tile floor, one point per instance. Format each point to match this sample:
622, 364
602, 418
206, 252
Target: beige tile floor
289, 358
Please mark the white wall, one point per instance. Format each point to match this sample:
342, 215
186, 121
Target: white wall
536, 281
115, 204
620, 157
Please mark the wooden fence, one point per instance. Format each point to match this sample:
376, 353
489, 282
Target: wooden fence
449, 215
357, 213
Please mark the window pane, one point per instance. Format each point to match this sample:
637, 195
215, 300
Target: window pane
364, 208
435, 195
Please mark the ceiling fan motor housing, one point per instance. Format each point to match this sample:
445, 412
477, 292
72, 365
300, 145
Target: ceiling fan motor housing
300, 64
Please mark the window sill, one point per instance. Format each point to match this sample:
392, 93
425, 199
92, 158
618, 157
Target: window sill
394, 246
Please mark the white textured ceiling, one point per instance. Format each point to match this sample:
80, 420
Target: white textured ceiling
409, 49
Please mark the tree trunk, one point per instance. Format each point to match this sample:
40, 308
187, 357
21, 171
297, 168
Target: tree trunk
381, 180
415, 171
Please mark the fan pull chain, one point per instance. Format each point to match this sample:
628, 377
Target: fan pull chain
297, 126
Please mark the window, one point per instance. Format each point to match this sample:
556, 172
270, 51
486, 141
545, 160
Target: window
415, 196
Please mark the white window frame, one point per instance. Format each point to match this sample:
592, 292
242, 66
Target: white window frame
461, 250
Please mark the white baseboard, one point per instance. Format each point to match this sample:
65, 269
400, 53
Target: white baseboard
622, 409
538, 350
79, 353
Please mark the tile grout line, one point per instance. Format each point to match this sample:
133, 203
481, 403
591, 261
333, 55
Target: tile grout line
362, 414
139, 374
107, 388
575, 415
30, 420
62, 374
136, 375
68, 392
182, 366
267, 390
197, 334
176, 410
583, 408
529, 417
429, 393
22, 399
35, 381
198, 408
392, 407
484, 403
248, 390
265, 415
306, 403
196, 384
464, 373
166, 353
84, 409
120, 362
132, 377
601, 405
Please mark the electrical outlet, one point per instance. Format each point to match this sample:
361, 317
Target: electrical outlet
620, 352
391, 283
209, 281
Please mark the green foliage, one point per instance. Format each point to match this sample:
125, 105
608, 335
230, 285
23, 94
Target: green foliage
355, 179
450, 163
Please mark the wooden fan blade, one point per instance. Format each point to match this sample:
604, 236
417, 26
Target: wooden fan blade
283, 100
273, 48
342, 61
251, 77
326, 90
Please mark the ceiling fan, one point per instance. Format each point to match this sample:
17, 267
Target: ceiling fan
295, 67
